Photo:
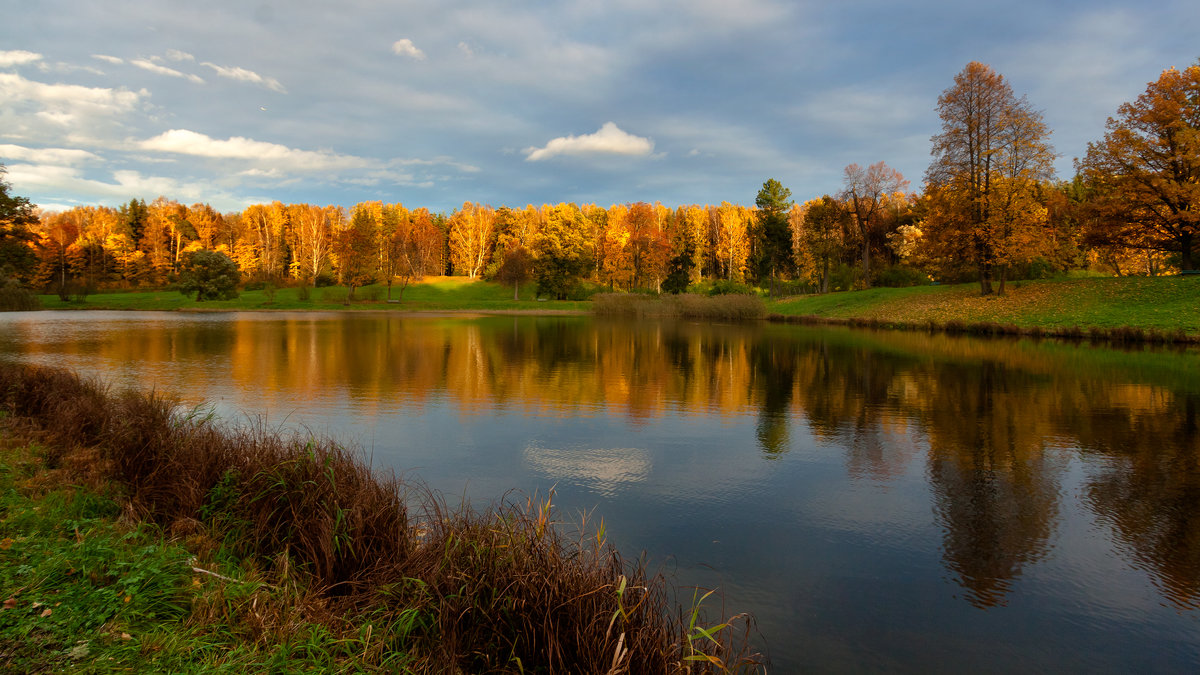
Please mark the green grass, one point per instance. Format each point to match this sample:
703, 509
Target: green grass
1160, 303
86, 592
436, 294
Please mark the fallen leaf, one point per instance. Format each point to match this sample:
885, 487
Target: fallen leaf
128, 598
47, 612
6, 543
126, 636
10, 603
195, 581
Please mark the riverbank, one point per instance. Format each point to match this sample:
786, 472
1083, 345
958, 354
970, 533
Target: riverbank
184, 547
1158, 309
436, 294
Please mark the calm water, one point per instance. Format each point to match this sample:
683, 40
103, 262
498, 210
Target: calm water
880, 501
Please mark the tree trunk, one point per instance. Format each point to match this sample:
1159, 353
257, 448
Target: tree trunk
866, 272
1185, 249
516, 290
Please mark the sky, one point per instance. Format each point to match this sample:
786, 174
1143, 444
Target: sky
512, 103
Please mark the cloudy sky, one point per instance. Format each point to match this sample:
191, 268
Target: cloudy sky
506, 102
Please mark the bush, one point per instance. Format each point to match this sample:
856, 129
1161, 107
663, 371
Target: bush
14, 298
720, 287
684, 305
211, 275
900, 276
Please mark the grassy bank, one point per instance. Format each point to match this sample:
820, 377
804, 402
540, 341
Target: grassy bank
1169, 306
192, 548
435, 294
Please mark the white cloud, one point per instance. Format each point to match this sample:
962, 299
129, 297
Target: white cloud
176, 55
406, 47
466, 49
185, 142
608, 140
61, 180
163, 70
244, 75
108, 59
55, 156
17, 57
16, 88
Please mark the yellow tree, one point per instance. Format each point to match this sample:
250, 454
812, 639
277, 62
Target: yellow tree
312, 240
617, 263
1145, 174
471, 236
731, 245
989, 138
817, 237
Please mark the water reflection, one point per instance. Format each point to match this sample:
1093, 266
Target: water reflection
1011, 442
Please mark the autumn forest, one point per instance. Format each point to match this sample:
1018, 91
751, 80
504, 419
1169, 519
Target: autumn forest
991, 210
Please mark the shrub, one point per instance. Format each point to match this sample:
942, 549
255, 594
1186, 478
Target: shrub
900, 276
211, 275
14, 298
684, 305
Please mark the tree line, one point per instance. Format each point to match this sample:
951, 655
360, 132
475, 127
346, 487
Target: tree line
991, 210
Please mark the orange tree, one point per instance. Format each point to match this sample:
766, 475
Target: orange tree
1145, 174
989, 160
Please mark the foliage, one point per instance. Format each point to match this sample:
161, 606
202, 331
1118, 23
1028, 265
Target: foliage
865, 194
516, 268
560, 253
15, 298
211, 275
17, 217
899, 276
1144, 176
988, 163
775, 241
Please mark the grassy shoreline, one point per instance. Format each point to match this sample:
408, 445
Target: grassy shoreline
1162, 309
1124, 309
235, 549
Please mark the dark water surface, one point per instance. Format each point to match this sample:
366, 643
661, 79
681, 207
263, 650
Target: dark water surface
879, 501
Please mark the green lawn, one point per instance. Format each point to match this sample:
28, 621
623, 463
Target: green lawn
1163, 303
435, 294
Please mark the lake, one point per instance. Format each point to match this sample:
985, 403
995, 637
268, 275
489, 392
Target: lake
880, 501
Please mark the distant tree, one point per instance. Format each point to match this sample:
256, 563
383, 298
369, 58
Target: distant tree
17, 217
774, 238
209, 274
991, 155
1145, 174
355, 247
819, 238
516, 268
560, 252
472, 232
866, 192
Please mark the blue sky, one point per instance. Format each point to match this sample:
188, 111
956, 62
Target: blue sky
503, 102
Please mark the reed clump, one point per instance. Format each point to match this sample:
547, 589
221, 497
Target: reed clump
462, 590
729, 307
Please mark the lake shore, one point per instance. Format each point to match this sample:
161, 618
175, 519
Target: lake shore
1121, 309
139, 534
